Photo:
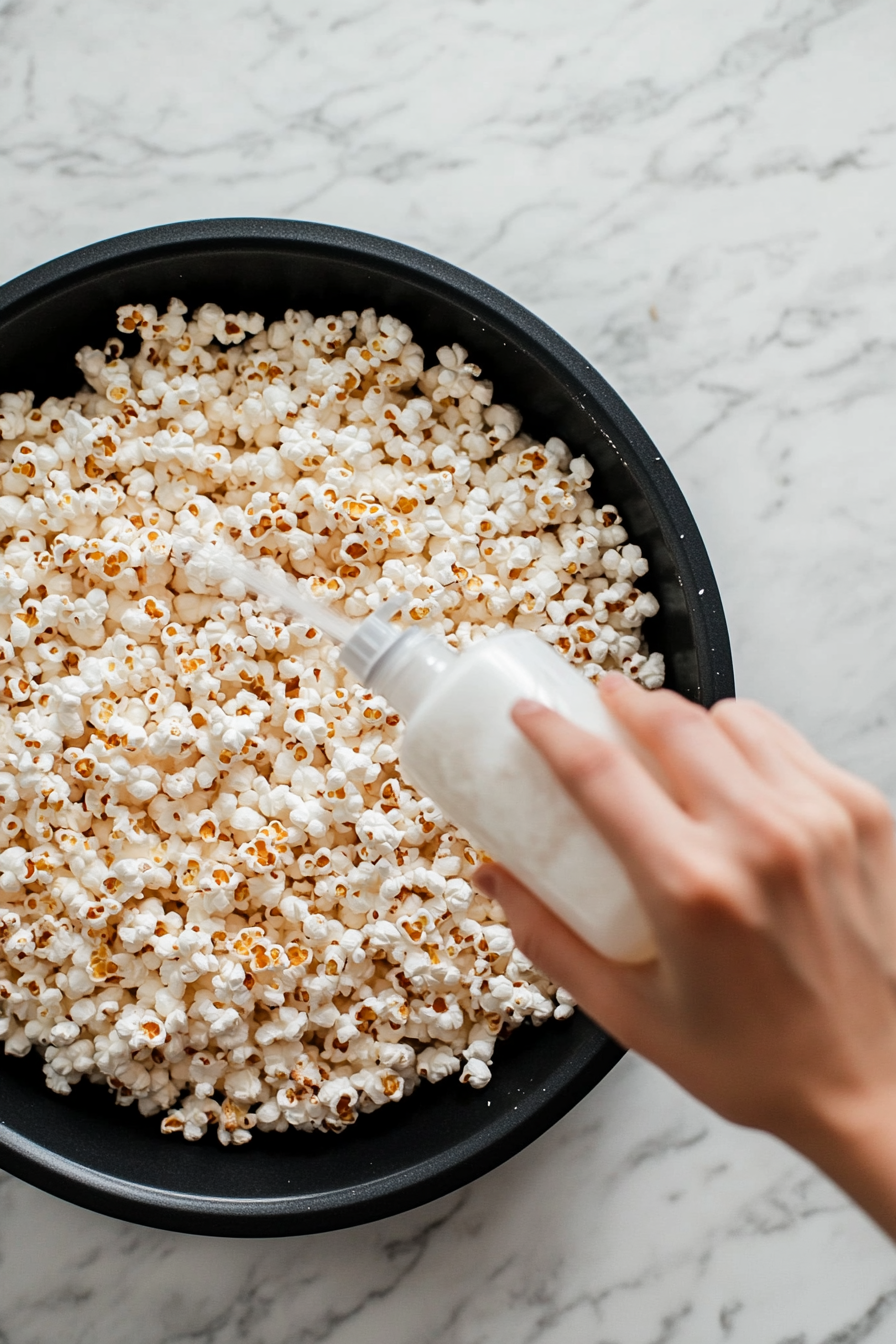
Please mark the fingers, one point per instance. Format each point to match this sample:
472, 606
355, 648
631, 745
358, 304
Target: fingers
800, 752
647, 831
775, 750
784, 757
704, 768
610, 992
757, 737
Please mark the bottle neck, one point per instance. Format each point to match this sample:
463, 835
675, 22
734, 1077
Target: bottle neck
406, 672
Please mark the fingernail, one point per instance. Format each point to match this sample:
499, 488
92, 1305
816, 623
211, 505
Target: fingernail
484, 878
523, 708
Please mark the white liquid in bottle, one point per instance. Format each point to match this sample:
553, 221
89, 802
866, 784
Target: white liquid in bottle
464, 751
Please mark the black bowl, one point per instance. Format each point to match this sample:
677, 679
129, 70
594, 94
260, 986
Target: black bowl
83, 1147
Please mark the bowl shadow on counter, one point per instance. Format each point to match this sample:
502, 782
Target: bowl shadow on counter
83, 1147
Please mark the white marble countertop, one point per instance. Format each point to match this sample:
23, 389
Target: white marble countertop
700, 196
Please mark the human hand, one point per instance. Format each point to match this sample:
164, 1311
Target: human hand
769, 876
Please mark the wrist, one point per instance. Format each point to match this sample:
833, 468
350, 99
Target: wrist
853, 1141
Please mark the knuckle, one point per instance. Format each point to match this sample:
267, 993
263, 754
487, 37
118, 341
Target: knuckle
871, 812
779, 845
789, 854
738, 713
723, 896
701, 882
792, 843
718, 891
729, 709
832, 828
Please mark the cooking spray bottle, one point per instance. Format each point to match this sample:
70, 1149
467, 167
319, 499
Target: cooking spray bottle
462, 749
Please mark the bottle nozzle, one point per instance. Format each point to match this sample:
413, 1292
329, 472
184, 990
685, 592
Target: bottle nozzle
364, 643
215, 563
370, 639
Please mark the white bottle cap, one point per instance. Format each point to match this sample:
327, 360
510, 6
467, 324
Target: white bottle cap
373, 637
399, 664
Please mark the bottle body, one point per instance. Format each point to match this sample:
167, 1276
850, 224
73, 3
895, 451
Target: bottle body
463, 750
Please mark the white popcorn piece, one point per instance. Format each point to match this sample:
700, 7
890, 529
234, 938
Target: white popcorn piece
476, 1072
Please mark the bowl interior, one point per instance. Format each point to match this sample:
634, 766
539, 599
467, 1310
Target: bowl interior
86, 1148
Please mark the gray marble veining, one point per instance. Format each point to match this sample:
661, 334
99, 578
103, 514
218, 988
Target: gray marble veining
700, 197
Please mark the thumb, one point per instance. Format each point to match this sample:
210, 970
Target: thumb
614, 993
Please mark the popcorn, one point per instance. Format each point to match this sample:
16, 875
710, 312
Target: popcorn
218, 895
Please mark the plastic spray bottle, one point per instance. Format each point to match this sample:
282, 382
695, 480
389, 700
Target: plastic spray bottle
462, 749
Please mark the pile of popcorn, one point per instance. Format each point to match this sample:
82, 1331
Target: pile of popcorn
218, 895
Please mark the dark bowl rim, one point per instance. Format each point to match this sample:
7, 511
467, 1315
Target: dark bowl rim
291, 1215
462, 1162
